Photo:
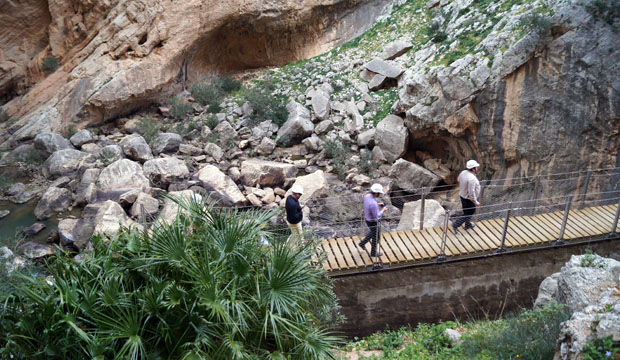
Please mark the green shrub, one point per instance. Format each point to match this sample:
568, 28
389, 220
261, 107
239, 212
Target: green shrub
148, 128
32, 157
266, 106
178, 108
332, 148
605, 10
366, 163
532, 334
202, 287
212, 121
227, 84
206, 94
590, 259
214, 108
49, 64
601, 348
534, 22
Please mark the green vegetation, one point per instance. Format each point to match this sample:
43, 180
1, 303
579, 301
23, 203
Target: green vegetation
202, 287
601, 348
178, 108
266, 106
211, 94
148, 128
50, 64
366, 164
531, 334
32, 157
534, 22
5, 181
211, 121
590, 259
383, 106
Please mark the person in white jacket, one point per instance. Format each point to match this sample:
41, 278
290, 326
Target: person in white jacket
469, 191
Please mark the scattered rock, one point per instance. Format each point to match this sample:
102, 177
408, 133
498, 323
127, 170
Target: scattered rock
392, 137
215, 151
110, 218
49, 143
412, 177
221, 187
266, 173
35, 251
366, 138
123, 174
165, 170
4, 213
314, 185
167, 143
136, 148
66, 163
321, 105
384, 68
324, 127
53, 201
111, 153
266, 146
434, 215
144, 205
297, 127
395, 49
33, 229
81, 137
377, 82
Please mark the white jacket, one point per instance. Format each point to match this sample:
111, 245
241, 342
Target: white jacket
469, 185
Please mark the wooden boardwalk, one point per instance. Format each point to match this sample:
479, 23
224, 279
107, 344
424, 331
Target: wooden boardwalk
411, 246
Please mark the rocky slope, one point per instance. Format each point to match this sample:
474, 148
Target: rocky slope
517, 84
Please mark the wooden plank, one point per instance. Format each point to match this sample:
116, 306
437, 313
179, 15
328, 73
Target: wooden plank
593, 222
489, 232
331, 262
516, 227
412, 246
499, 228
354, 251
425, 248
406, 251
541, 234
580, 221
364, 254
475, 240
463, 238
572, 230
395, 250
346, 253
477, 232
533, 235
435, 239
611, 209
387, 251
552, 228
424, 243
605, 217
335, 250
568, 232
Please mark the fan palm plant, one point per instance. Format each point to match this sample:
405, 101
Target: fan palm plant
201, 287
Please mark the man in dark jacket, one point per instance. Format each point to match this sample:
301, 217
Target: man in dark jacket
294, 214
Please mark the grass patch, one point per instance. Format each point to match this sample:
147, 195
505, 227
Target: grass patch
148, 128
265, 105
383, 106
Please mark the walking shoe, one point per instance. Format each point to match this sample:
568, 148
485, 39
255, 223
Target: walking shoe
470, 227
377, 254
363, 246
455, 229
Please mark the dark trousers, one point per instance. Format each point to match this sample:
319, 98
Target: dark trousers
469, 208
373, 234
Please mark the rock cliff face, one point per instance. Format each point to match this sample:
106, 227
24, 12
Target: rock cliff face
116, 56
547, 103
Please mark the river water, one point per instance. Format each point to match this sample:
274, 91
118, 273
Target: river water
22, 216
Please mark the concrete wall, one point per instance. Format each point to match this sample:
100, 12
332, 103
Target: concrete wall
459, 289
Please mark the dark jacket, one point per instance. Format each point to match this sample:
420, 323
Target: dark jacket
293, 210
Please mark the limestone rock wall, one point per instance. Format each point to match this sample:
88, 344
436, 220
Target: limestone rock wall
117, 56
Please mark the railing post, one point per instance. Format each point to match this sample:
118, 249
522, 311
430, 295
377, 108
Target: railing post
585, 189
422, 209
613, 229
502, 246
482, 187
535, 194
563, 228
442, 254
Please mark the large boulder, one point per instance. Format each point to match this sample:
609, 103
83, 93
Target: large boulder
81, 137
222, 187
111, 153
297, 127
434, 215
321, 105
170, 209
315, 185
395, 49
266, 173
75, 233
588, 285
136, 148
122, 174
34, 251
164, 170
49, 143
412, 177
166, 143
145, 205
384, 68
392, 137
66, 163
53, 201
110, 218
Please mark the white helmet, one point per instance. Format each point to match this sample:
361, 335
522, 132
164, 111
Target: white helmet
377, 188
472, 164
297, 189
